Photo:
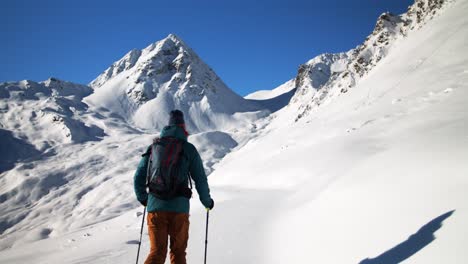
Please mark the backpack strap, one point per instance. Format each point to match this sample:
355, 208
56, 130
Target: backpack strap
149, 152
150, 161
190, 181
189, 176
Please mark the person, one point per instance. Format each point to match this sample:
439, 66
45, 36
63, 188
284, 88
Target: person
170, 218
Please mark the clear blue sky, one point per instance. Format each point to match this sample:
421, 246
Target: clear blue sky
252, 45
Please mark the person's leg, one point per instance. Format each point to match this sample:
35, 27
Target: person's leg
158, 232
178, 232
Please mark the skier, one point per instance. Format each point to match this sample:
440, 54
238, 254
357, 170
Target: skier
168, 210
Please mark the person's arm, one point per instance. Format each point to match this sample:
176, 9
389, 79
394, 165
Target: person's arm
197, 172
139, 180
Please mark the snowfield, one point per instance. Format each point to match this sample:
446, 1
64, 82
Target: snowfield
375, 173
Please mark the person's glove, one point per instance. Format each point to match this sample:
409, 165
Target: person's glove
144, 202
210, 207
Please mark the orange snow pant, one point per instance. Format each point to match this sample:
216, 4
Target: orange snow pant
160, 226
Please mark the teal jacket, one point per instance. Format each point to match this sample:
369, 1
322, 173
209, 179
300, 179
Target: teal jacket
191, 163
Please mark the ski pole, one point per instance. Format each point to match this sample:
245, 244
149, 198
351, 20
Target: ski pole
141, 233
206, 234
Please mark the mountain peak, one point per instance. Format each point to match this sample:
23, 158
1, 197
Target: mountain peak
146, 84
172, 47
174, 38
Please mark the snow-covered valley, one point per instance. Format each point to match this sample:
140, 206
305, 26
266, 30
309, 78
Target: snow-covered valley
342, 164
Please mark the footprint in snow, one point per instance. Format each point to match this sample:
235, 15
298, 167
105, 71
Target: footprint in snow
431, 96
368, 122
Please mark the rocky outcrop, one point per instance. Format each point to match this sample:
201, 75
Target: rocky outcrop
359, 61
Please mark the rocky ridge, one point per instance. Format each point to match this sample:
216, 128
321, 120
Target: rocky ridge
329, 75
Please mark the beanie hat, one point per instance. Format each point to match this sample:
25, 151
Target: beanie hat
176, 117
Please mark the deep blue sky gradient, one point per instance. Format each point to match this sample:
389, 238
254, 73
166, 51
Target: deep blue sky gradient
251, 45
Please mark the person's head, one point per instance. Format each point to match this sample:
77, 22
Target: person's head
176, 117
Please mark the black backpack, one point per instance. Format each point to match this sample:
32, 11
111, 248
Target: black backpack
165, 179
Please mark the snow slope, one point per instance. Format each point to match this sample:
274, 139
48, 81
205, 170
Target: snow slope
275, 99
37, 117
270, 94
46, 114
374, 175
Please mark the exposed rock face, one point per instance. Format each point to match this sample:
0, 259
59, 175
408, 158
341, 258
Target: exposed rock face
422, 10
316, 81
127, 62
316, 73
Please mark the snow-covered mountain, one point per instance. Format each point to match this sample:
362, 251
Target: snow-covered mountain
366, 164
329, 75
46, 114
145, 85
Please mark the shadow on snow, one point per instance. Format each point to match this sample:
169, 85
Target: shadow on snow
423, 237
276, 103
14, 150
